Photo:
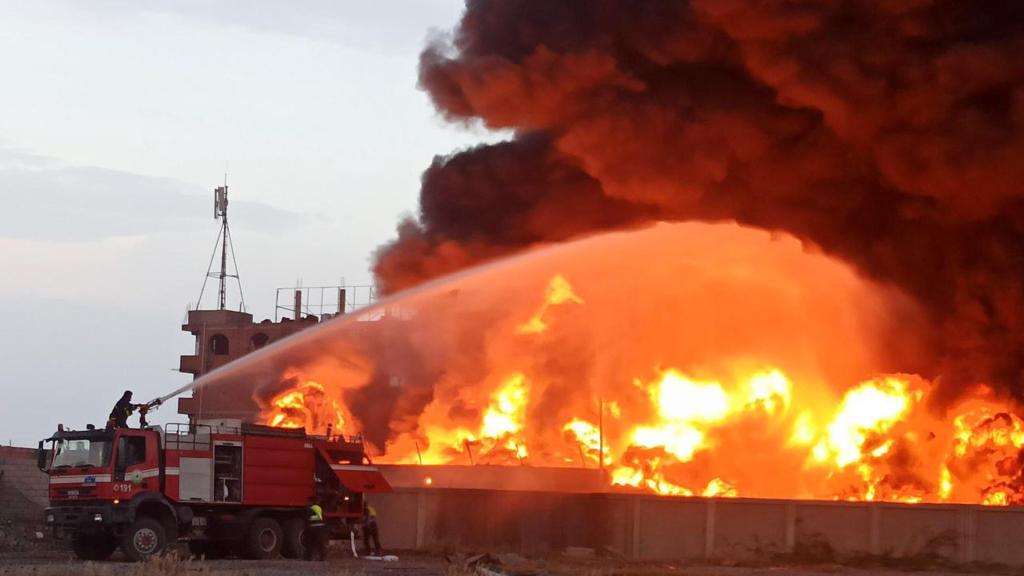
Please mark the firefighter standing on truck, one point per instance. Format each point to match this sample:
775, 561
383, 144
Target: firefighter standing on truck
122, 409
316, 534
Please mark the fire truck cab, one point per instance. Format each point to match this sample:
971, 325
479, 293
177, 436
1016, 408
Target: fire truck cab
224, 487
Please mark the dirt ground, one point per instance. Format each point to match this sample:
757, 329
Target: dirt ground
54, 561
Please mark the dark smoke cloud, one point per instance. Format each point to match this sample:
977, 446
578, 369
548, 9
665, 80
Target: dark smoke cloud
492, 200
888, 133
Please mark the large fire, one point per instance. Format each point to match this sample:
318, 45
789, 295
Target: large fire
305, 405
761, 401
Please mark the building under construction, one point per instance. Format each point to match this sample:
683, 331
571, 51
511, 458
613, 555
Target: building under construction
223, 335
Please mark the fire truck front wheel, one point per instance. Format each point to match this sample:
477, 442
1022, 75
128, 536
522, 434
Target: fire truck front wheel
93, 546
263, 539
145, 537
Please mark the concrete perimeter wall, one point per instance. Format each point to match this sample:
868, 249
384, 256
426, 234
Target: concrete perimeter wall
663, 528
23, 488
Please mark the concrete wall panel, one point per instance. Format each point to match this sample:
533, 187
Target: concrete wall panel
840, 527
527, 522
616, 530
669, 529
397, 519
905, 531
999, 536
476, 519
749, 528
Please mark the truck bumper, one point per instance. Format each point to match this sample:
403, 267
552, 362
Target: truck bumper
85, 517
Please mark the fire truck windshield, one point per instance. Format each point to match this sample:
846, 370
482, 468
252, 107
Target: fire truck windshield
82, 452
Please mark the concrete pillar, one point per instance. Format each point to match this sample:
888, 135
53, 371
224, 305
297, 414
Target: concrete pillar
875, 529
421, 518
790, 527
709, 529
966, 530
635, 536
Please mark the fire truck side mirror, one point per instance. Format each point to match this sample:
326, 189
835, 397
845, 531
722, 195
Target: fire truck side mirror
42, 457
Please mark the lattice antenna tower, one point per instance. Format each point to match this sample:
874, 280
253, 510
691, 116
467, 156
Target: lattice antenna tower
225, 245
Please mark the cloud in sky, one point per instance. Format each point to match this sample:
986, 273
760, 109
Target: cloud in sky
45, 200
357, 23
118, 118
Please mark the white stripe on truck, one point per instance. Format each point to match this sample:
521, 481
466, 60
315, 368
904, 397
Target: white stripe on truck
104, 478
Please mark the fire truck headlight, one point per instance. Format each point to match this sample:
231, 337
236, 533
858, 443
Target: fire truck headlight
50, 519
97, 518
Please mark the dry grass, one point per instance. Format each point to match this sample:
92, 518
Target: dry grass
458, 570
174, 565
419, 565
169, 565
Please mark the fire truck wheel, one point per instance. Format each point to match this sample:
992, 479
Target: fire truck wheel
293, 529
93, 546
264, 539
145, 537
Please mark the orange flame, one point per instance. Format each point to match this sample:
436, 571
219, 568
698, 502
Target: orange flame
558, 292
305, 406
750, 430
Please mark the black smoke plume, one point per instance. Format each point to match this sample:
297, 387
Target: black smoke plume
886, 133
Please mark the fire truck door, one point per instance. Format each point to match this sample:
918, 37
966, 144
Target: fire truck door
136, 466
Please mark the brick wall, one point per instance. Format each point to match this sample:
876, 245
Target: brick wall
23, 488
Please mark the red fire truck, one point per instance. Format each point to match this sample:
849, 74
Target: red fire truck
223, 487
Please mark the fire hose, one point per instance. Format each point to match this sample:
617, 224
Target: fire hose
157, 402
152, 405
166, 397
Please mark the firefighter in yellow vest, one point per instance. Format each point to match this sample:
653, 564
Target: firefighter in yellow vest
316, 534
370, 530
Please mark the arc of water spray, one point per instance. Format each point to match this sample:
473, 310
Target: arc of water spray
153, 404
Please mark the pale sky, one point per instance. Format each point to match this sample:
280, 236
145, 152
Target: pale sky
119, 117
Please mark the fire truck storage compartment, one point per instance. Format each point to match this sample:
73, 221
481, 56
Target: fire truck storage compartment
195, 475
227, 471
277, 468
196, 482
